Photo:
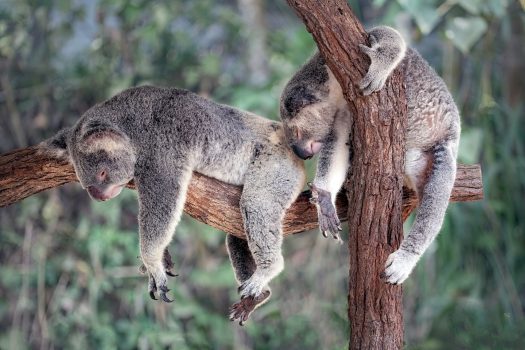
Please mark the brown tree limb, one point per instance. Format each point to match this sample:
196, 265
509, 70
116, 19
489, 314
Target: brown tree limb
27, 171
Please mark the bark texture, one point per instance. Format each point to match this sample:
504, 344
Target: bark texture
27, 171
376, 175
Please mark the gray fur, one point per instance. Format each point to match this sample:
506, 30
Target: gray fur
158, 137
386, 50
432, 135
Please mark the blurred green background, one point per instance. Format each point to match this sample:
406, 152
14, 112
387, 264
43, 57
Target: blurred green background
68, 266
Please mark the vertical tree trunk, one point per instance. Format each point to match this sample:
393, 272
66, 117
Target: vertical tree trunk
255, 34
375, 178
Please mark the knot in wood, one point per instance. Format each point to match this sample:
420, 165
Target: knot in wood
388, 183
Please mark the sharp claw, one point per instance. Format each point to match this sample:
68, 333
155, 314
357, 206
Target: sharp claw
163, 291
171, 274
165, 298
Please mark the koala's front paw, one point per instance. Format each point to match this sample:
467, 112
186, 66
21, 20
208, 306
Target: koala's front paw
158, 283
376, 77
398, 266
158, 276
166, 262
328, 220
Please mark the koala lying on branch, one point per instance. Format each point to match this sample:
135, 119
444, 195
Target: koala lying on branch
158, 137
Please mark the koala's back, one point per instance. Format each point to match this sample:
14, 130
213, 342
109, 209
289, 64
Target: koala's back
220, 140
432, 113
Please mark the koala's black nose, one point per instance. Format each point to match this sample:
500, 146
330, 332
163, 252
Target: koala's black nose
301, 152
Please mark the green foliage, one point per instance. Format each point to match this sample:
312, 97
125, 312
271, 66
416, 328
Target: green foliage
69, 274
465, 31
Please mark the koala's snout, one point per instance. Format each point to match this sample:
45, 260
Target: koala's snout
301, 152
96, 193
308, 150
103, 195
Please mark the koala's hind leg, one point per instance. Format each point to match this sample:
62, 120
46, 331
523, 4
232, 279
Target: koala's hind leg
240, 257
162, 193
272, 183
244, 266
433, 202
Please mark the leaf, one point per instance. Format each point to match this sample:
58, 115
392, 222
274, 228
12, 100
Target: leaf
423, 12
378, 3
465, 31
472, 6
495, 8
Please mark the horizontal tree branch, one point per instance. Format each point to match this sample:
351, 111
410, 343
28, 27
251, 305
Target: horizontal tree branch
27, 171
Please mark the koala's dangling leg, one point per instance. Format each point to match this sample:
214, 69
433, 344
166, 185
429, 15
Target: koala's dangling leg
270, 188
244, 266
240, 257
434, 196
162, 192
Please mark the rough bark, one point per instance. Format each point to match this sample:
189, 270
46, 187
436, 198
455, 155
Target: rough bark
26, 171
376, 176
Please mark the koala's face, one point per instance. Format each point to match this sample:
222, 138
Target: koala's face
308, 117
104, 163
308, 130
309, 104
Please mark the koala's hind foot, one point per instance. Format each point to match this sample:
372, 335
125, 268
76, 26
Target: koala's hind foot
166, 262
242, 310
328, 220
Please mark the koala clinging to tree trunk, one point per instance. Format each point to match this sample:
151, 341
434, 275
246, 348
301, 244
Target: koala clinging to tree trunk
158, 137
316, 119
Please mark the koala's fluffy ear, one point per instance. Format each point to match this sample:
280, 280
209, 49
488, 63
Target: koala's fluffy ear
57, 145
97, 136
298, 98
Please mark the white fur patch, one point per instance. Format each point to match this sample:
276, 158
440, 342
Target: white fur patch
415, 165
107, 143
399, 265
338, 170
335, 97
339, 162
